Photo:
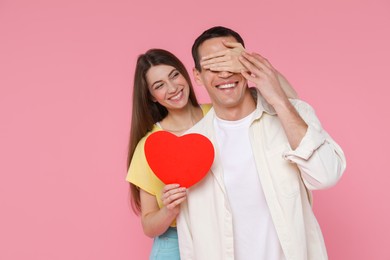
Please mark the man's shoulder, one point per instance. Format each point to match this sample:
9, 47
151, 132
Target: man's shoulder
205, 125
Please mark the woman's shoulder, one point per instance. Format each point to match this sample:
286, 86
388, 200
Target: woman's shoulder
206, 108
155, 128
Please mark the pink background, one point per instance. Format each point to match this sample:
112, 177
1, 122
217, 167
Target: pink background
66, 70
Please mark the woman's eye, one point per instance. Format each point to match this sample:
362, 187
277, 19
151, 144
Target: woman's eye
175, 74
158, 86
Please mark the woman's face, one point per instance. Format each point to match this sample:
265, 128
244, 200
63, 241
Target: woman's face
168, 86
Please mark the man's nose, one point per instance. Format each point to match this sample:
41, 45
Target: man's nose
224, 74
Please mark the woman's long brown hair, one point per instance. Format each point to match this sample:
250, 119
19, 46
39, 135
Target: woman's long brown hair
145, 112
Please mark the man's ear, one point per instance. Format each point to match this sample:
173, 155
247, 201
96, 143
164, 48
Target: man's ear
197, 77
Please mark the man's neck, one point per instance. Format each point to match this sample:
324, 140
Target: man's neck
234, 113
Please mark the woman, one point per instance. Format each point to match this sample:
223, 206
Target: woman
164, 99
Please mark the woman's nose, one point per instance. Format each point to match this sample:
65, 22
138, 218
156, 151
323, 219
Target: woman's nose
172, 87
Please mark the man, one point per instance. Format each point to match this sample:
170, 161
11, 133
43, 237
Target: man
269, 153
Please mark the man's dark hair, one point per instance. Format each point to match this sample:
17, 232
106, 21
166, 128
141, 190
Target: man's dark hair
214, 32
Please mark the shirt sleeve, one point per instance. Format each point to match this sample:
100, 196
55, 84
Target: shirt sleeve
140, 173
319, 158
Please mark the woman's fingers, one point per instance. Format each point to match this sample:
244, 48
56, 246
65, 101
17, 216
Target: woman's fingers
176, 202
214, 61
172, 193
214, 55
253, 66
253, 63
226, 60
172, 190
170, 187
263, 60
236, 45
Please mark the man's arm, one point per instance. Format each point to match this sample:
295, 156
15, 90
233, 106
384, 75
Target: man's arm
320, 160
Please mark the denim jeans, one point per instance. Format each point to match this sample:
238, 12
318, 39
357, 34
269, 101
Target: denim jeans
166, 246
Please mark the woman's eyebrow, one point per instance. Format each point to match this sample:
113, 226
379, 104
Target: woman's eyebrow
170, 73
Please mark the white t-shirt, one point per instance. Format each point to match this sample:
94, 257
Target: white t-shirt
254, 232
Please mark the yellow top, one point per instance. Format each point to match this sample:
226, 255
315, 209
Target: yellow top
140, 173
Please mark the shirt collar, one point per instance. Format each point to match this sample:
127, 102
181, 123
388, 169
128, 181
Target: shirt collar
261, 104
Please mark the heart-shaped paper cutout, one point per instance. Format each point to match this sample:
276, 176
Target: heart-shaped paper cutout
184, 160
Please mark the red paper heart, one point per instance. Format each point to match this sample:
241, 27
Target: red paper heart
184, 160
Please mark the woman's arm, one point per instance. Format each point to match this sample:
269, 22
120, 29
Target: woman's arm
155, 221
286, 86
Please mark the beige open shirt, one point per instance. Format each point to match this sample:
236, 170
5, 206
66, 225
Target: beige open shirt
205, 221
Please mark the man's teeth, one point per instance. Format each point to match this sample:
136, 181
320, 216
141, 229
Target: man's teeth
230, 85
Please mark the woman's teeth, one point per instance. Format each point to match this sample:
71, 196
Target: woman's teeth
178, 96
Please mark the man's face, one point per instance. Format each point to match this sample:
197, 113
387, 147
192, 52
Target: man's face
226, 90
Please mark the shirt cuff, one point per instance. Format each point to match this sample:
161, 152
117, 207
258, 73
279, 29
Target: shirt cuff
312, 140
